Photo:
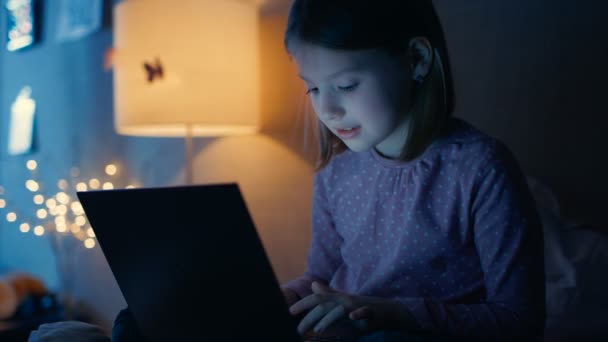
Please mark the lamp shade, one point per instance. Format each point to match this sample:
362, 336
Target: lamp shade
187, 67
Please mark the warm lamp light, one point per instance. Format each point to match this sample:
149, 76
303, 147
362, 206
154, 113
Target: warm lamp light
186, 68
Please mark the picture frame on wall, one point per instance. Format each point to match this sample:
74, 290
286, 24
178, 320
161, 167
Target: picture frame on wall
22, 21
78, 19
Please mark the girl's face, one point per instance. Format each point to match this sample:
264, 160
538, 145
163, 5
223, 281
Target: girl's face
360, 96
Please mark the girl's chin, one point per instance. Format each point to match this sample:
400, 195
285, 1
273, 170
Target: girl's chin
353, 146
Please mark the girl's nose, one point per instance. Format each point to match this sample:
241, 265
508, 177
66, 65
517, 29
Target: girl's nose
330, 109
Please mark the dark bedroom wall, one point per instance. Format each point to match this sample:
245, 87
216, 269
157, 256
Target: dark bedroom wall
533, 73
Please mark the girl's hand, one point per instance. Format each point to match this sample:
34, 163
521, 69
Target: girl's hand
291, 297
326, 307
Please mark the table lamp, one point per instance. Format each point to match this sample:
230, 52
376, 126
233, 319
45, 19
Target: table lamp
186, 68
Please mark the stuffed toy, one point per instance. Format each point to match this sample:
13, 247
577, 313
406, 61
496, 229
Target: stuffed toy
14, 289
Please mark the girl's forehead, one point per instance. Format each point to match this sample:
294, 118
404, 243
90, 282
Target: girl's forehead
310, 54
317, 61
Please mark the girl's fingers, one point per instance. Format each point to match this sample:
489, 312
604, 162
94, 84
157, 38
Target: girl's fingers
290, 296
314, 316
364, 312
334, 315
321, 288
306, 303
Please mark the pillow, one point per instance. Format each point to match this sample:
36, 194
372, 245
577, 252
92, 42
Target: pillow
560, 271
575, 262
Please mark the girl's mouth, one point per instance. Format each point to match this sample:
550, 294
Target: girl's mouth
348, 133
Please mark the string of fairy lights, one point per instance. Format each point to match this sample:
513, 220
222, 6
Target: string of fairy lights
58, 212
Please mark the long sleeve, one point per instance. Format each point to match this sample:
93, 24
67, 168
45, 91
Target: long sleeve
324, 251
508, 238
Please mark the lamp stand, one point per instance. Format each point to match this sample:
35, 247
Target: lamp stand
189, 152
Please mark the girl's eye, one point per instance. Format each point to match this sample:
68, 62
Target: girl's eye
349, 87
311, 90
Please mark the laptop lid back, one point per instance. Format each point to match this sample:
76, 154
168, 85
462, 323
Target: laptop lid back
189, 263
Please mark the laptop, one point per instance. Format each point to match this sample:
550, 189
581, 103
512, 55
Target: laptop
189, 263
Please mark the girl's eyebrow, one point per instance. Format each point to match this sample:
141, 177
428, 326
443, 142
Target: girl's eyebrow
338, 73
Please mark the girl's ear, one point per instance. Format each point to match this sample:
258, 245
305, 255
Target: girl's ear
420, 52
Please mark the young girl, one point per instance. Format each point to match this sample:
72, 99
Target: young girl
422, 224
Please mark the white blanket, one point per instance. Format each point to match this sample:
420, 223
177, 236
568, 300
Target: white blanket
73, 331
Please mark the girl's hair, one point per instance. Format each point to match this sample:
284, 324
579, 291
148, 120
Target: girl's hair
385, 25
